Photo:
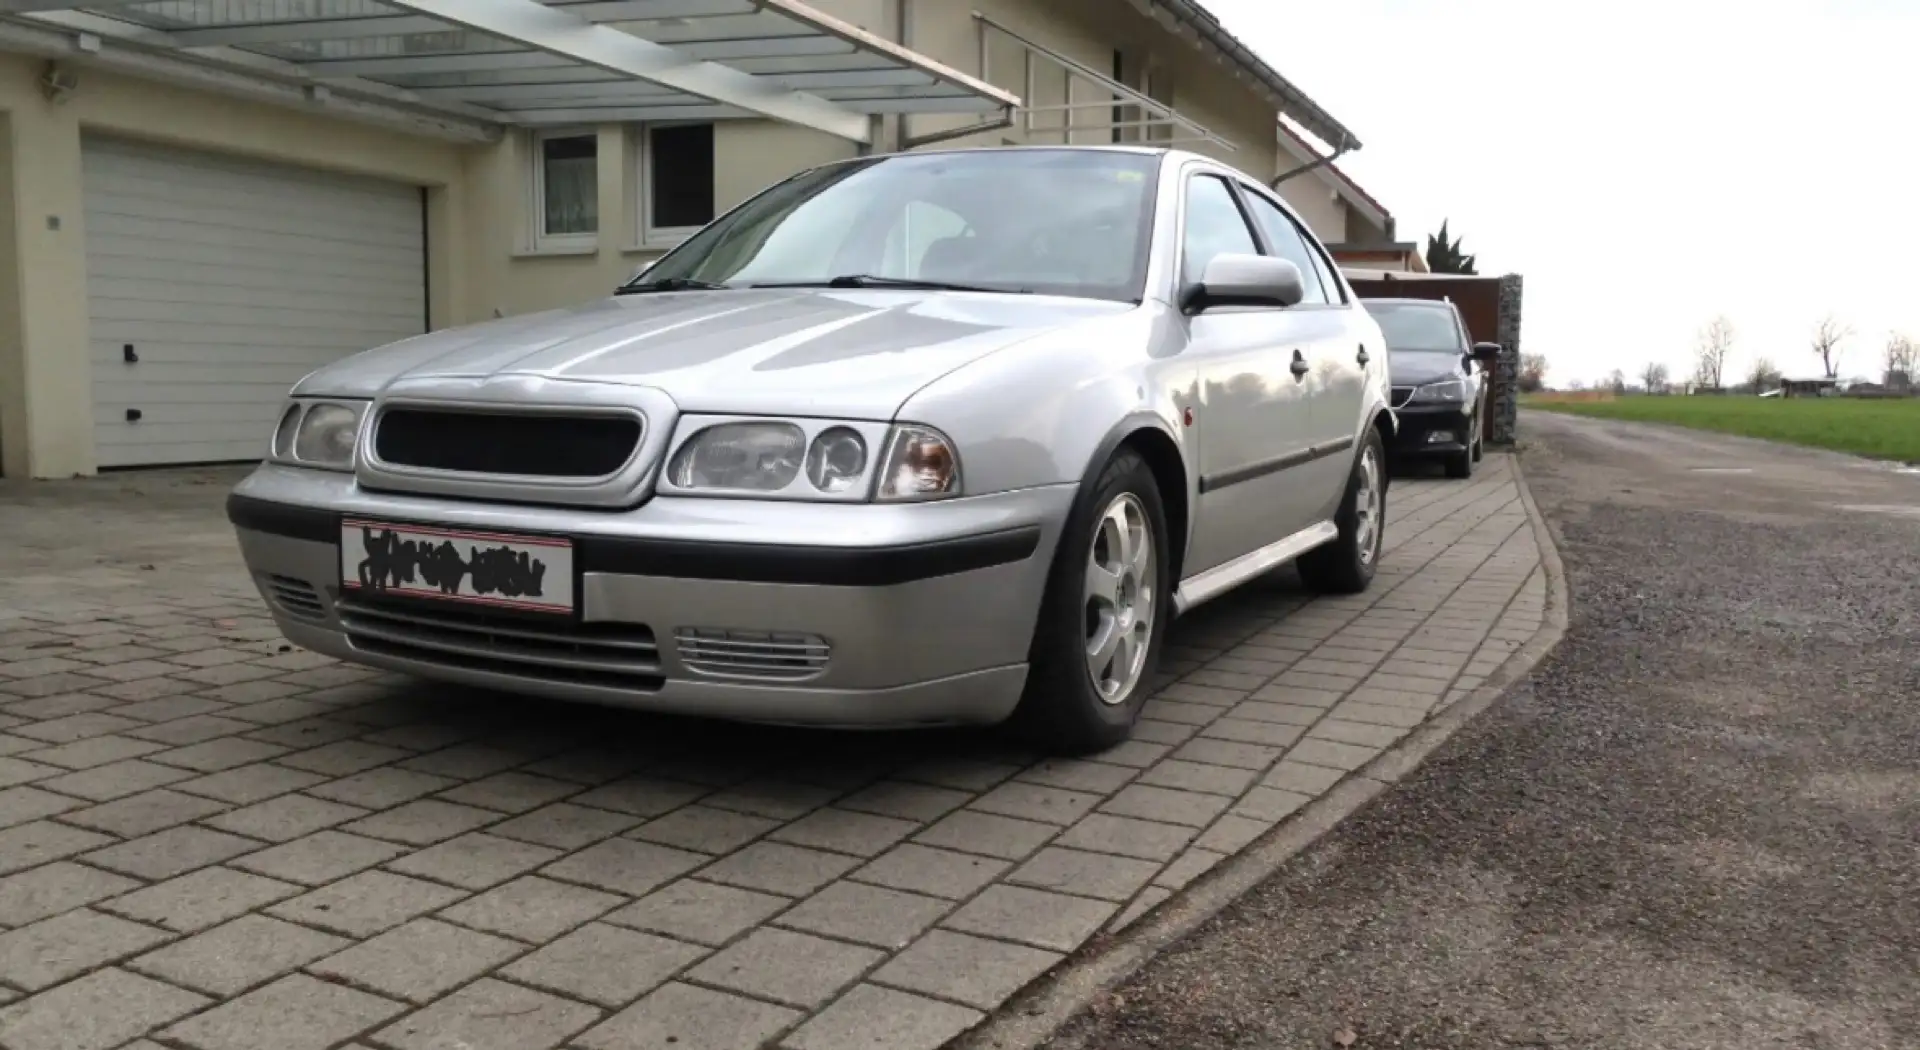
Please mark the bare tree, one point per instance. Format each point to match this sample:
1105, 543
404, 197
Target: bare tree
1654, 377
1533, 372
1826, 342
1903, 355
1763, 376
1617, 381
1710, 357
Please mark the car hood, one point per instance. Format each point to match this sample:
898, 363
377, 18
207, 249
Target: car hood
1414, 367
854, 353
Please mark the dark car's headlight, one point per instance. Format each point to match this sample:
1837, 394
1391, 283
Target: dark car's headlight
1445, 390
811, 459
318, 432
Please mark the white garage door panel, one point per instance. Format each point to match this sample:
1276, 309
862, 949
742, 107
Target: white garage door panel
232, 279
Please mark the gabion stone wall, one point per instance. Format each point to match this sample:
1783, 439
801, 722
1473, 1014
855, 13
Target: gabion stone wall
1506, 389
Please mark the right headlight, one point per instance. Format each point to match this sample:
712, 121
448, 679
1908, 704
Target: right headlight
320, 433
1445, 390
811, 459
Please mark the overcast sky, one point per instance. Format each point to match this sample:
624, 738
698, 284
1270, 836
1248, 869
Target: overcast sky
1644, 163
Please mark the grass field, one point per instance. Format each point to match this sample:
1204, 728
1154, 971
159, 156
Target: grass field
1883, 429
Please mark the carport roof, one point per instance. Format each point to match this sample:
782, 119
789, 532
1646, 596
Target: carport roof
547, 62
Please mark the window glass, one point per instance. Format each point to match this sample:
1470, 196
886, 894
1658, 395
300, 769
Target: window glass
680, 175
1328, 278
1418, 326
1052, 221
569, 185
1287, 243
1214, 227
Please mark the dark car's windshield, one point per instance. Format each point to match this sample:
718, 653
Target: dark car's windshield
1051, 221
1418, 326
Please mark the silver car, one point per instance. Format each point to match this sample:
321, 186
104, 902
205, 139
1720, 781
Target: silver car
919, 439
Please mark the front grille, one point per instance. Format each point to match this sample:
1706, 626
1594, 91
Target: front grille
556, 446
1402, 395
621, 656
296, 598
751, 654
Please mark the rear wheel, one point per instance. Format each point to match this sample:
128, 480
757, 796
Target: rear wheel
1346, 566
1103, 618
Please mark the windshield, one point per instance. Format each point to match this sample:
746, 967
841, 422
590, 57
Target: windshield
1052, 221
1418, 326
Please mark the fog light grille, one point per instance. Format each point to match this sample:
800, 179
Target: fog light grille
752, 654
296, 598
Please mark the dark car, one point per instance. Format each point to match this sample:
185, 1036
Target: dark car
1439, 390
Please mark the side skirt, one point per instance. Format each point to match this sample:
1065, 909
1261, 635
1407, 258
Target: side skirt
1206, 586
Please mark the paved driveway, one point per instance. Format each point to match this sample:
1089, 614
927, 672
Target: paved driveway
229, 844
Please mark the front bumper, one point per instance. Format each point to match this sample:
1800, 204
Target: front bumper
887, 615
1432, 430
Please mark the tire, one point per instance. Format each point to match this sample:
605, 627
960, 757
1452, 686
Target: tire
1063, 709
1460, 464
1347, 565
1479, 439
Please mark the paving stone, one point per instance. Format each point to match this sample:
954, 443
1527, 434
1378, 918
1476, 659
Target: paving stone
1188, 866
490, 1015
50, 889
844, 831
985, 833
97, 1012
1099, 778
382, 788
1228, 753
1278, 713
1100, 875
565, 826
77, 727
285, 818
342, 757
532, 908
1126, 836
1195, 776
870, 915
296, 1012
701, 912
1332, 754
774, 867
474, 861
511, 792
420, 960
937, 872
200, 899
466, 761
1301, 778
604, 964
1166, 805
246, 784
1232, 833
961, 968
1036, 802
301, 733
871, 1016
228, 959
685, 1017
52, 950
776, 798
19, 805
1138, 754
422, 822
57, 705
366, 904
625, 866
174, 851
897, 798
215, 753
319, 858
144, 813
1248, 731
81, 754
1029, 916
115, 780
1270, 804
705, 829
786, 967
167, 709
1361, 734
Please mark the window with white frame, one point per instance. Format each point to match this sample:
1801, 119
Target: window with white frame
675, 167
566, 189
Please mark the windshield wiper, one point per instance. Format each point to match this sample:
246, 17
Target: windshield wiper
669, 284
867, 280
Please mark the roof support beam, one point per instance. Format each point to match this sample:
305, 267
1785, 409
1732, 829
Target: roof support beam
556, 32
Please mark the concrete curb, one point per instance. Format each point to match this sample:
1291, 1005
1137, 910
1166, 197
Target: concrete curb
1034, 1015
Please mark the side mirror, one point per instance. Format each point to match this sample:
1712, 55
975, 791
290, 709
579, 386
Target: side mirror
1488, 354
1248, 280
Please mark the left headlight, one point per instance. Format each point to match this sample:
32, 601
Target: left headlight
810, 459
1445, 390
318, 433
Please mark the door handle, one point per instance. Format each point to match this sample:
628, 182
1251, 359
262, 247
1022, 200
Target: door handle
1362, 357
1299, 366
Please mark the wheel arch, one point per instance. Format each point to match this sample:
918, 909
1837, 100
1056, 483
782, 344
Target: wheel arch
1147, 434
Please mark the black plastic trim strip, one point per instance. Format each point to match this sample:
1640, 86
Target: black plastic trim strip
1253, 471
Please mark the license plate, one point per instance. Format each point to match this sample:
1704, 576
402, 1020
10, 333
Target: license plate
533, 573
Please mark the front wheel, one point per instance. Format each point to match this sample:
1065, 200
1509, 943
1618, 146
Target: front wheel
1103, 618
1346, 566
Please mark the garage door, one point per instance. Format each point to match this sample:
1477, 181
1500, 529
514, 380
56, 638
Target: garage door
215, 283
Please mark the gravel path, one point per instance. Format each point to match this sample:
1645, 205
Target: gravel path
1697, 827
